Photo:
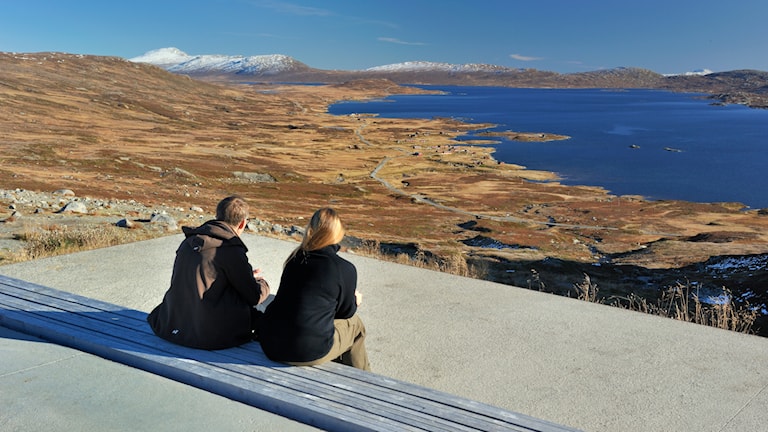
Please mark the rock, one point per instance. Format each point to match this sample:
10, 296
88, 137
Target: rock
13, 217
295, 229
255, 177
183, 173
125, 223
74, 207
165, 220
256, 224
65, 192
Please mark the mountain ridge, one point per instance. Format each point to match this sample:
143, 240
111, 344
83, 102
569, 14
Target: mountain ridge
747, 87
111, 129
172, 57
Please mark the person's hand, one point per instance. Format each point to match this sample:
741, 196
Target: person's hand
257, 274
358, 297
264, 292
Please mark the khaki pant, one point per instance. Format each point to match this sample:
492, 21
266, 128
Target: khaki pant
348, 345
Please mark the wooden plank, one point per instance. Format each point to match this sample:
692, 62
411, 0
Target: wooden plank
285, 401
118, 349
318, 391
356, 399
323, 380
364, 384
366, 394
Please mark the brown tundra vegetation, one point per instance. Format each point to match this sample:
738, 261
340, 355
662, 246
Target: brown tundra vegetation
108, 128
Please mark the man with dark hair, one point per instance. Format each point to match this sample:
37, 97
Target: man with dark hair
214, 290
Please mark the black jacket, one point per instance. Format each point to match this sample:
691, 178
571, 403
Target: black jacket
315, 288
212, 292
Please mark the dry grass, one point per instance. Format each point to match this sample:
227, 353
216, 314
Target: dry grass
52, 240
683, 303
451, 262
535, 282
143, 144
680, 302
587, 290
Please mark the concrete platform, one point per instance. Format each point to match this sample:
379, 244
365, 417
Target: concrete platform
47, 387
592, 367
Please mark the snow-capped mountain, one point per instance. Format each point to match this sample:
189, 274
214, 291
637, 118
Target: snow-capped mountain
751, 84
696, 72
699, 72
424, 66
164, 57
177, 61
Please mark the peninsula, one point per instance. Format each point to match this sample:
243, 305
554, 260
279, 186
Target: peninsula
105, 127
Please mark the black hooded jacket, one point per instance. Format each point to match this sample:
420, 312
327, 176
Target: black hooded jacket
316, 287
212, 292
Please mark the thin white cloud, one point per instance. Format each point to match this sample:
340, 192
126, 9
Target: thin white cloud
525, 58
260, 35
296, 9
293, 9
399, 42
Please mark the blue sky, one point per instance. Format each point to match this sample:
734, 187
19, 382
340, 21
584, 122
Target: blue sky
670, 36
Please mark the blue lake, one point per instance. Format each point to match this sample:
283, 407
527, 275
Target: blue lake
619, 139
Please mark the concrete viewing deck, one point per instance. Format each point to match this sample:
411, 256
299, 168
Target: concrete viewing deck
583, 365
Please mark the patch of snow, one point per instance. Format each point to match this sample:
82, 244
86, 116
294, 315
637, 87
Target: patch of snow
235, 64
177, 61
425, 66
751, 263
696, 72
699, 72
163, 57
719, 299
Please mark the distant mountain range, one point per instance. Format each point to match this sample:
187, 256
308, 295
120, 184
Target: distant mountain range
748, 87
177, 61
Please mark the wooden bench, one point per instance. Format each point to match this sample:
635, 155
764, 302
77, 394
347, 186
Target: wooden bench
329, 396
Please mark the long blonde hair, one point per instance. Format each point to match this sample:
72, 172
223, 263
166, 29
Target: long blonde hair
324, 229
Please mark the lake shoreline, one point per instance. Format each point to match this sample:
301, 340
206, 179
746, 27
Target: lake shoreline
653, 143
180, 142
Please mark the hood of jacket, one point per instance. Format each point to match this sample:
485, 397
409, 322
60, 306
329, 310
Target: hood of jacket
211, 234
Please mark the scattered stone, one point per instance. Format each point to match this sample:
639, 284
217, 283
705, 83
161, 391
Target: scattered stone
64, 192
183, 173
74, 207
12, 218
256, 224
255, 177
164, 219
295, 230
196, 209
125, 223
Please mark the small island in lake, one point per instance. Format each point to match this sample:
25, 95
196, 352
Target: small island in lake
408, 189
525, 136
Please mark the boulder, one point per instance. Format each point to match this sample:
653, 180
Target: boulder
74, 207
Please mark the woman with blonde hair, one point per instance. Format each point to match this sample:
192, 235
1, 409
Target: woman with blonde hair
313, 317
